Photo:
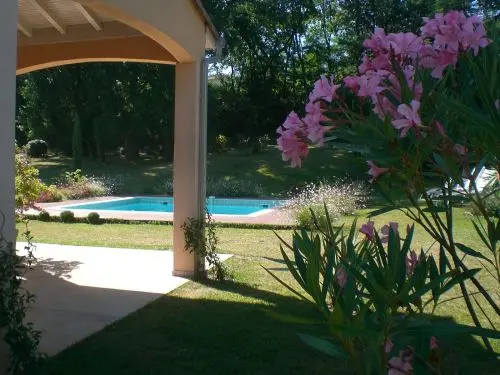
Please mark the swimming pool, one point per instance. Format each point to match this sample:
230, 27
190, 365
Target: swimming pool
239, 207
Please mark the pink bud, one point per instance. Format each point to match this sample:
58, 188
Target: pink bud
368, 229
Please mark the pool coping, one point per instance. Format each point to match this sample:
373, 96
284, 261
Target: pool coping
266, 216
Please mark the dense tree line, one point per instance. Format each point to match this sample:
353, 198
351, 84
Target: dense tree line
275, 51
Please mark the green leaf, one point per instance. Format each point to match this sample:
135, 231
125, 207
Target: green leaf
324, 346
285, 285
473, 253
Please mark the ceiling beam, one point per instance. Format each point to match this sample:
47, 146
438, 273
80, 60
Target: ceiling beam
89, 17
23, 27
49, 16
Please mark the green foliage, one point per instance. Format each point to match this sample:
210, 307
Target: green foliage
51, 194
20, 336
28, 185
371, 291
260, 144
306, 206
94, 218
37, 148
76, 185
43, 216
201, 239
67, 217
221, 143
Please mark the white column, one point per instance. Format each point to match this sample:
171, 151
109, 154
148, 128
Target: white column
8, 50
189, 160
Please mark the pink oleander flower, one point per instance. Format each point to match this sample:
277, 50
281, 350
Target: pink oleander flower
411, 262
434, 343
405, 44
451, 34
378, 41
315, 130
400, 365
324, 89
370, 84
341, 276
385, 230
375, 171
388, 345
368, 229
352, 83
292, 141
410, 119
474, 37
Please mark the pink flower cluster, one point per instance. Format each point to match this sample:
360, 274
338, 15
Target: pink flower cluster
450, 35
295, 133
442, 40
401, 365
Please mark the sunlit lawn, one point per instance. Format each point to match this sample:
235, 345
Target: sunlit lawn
223, 328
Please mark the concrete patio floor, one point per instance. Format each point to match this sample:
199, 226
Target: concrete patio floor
81, 290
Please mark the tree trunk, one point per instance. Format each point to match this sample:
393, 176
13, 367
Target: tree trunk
77, 143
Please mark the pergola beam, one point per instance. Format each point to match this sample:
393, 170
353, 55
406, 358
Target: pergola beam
89, 17
23, 27
49, 16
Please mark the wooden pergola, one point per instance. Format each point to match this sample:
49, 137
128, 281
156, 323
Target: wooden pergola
38, 34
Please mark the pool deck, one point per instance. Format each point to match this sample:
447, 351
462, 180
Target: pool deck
273, 217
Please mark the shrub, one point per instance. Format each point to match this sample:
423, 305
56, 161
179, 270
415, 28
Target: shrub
43, 216
28, 185
94, 218
20, 336
340, 199
75, 185
364, 285
37, 148
221, 143
67, 217
50, 194
202, 240
260, 144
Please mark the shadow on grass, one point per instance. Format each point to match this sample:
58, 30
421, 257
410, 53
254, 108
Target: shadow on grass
225, 332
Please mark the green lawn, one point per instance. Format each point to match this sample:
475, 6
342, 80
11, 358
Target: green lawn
266, 169
221, 328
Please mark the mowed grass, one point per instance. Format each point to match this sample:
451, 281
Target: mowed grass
266, 169
226, 328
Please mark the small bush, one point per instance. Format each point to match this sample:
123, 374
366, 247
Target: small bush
50, 194
28, 185
94, 218
37, 148
340, 199
43, 216
260, 144
67, 217
221, 144
75, 185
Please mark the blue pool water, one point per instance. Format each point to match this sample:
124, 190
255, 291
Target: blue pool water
160, 204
